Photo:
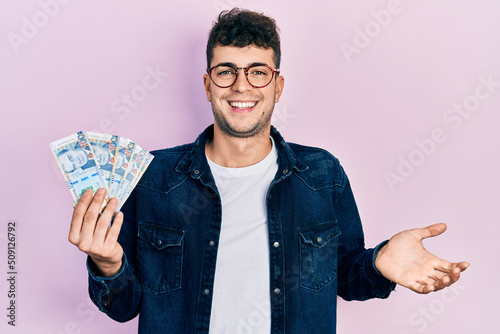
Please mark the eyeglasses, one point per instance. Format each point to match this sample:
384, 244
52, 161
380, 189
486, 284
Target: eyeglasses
258, 75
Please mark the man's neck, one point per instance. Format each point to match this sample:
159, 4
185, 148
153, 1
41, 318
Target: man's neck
235, 152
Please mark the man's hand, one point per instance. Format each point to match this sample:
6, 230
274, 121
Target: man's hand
405, 261
91, 233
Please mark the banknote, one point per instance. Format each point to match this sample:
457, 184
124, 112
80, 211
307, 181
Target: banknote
99, 160
77, 162
105, 147
132, 170
124, 154
146, 160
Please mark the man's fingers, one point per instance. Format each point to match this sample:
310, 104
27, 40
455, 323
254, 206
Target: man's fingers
96, 205
422, 287
436, 276
90, 220
78, 214
432, 230
417, 287
428, 288
454, 274
463, 265
102, 226
442, 283
444, 266
93, 211
83, 202
452, 268
114, 230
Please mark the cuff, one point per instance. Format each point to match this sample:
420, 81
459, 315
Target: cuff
94, 272
375, 252
386, 285
102, 288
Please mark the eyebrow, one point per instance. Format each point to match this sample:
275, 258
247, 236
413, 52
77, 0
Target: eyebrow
234, 65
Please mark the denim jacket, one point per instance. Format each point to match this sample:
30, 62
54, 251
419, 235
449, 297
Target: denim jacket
170, 237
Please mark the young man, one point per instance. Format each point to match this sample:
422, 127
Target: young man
241, 232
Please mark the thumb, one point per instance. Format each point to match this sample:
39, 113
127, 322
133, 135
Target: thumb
432, 230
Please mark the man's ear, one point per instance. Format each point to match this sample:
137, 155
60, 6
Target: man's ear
206, 83
280, 83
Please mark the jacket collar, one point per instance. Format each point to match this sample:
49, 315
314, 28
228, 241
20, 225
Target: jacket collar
195, 161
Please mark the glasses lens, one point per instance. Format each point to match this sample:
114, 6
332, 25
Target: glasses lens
223, 76
259, 75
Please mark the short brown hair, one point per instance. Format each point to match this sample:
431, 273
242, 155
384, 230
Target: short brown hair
240, 27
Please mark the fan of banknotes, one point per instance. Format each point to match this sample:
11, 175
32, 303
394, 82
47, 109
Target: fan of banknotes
99, 160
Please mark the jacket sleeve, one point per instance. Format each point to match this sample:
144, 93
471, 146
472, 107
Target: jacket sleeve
119, 296
358, 278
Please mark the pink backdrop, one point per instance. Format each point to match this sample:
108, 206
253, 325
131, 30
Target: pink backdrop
405, 93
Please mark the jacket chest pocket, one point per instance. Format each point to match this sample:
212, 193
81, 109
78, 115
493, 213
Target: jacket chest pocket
318, 255
159, 257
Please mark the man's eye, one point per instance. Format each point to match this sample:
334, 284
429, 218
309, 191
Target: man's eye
225, 71
259, 72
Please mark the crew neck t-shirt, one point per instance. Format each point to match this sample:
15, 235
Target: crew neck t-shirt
241, 297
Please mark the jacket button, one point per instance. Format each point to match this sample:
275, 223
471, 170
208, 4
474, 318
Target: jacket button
211, 243
276, 244
197, 172
159, 242
277, 291
206, 291
285, 171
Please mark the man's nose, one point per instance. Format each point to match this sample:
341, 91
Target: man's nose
241, 84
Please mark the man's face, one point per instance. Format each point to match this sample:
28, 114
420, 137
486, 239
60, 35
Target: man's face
241, 110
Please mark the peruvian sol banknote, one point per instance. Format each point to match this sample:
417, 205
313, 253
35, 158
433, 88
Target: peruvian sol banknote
76, 159
145, 159
98, 160
125, 151
105, 148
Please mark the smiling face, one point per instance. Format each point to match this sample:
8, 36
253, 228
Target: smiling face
241, 110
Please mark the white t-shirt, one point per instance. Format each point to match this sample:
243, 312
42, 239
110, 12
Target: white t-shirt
241, 297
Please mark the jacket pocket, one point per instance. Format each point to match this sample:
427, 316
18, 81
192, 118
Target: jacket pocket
159, 257
318, 255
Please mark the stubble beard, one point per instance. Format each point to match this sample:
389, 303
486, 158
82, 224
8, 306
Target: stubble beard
256, 129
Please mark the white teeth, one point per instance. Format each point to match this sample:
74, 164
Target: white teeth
242, 105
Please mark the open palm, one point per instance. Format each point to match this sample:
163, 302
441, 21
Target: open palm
405, 261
